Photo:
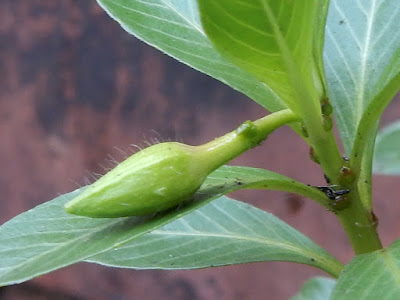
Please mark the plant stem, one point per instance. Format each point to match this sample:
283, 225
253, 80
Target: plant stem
360, 224
326, 150
275, 120
248, 135
358, 220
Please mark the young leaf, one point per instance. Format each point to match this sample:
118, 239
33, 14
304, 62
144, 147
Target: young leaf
46, 238
277, 41
361, 57
173, 26
223, 232
371, 276
317, 288
387, 150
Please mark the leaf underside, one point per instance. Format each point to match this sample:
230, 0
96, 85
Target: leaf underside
387, 151
46, 238
371, 276
223, 232
361, 56
317, 288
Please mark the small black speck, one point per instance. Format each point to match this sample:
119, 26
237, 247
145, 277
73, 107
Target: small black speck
312, 259
341, 22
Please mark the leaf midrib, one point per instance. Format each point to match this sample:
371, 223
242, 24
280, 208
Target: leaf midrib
364, 55
390, 263
194, 25
260, 240
60, 246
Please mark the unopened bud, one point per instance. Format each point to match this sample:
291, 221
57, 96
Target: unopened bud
167, 174
152, 180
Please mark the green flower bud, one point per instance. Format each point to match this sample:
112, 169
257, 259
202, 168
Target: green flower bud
152, 180
167, 174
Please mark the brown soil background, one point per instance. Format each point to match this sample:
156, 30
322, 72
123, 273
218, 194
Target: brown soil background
74, 85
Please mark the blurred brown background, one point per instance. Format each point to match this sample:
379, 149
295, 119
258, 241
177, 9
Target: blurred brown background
74, 85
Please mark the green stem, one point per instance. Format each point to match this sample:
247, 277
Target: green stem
358, 221
246, 136
326, 150
360, 224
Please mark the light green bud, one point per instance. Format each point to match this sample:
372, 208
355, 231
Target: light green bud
159, 177
152, 180
167, 174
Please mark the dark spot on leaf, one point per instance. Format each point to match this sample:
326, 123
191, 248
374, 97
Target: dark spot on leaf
238, 182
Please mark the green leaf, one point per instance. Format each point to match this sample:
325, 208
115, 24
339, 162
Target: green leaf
173, 26
277, 41
387, 150
317, 288
361, 57
223, 232
371, 276
46, 238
